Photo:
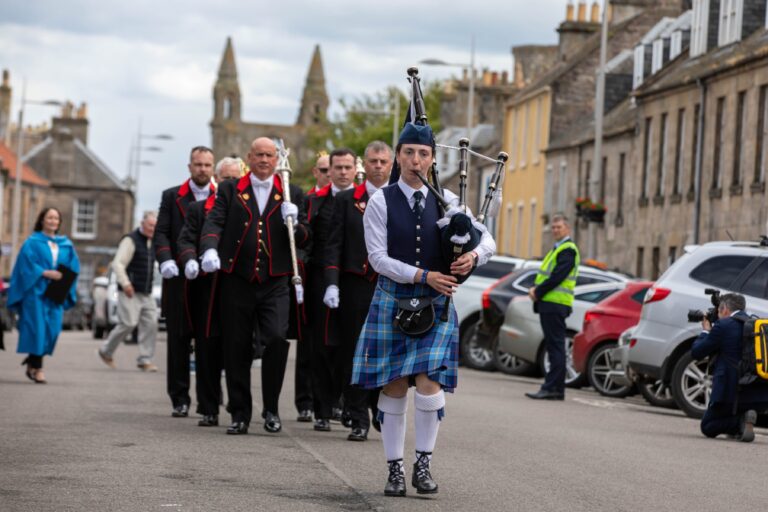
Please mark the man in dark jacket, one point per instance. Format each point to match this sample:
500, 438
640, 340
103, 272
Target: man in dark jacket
732, 408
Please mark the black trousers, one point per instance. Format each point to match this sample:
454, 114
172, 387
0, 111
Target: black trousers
207, 345
179, 340
552, 317
245, 305
34, 361
355, 294
300, 331
323, 352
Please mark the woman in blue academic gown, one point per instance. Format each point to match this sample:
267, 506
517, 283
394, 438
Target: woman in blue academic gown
40, 318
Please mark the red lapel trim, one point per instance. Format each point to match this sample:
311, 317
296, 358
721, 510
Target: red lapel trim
244, 182
209, 202
278, 183
360, 191
323, 191
183, 189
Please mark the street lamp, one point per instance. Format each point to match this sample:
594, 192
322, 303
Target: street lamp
470, 68
16, 213
135, 162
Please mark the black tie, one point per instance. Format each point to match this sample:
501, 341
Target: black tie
417, 208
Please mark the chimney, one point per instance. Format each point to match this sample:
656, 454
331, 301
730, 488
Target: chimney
504, 78
495, 78
532, 61
574, 33
5, 106
582, 17
569, 11
595, 14
72, 123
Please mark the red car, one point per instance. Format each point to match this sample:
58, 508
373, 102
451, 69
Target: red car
603, 324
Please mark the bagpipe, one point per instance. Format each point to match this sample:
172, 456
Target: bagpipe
459, 232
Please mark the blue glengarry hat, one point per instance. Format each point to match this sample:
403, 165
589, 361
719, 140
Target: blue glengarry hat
417, 134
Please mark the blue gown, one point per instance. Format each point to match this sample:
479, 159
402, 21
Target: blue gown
39, 318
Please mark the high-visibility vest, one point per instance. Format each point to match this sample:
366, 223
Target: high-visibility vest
563, 292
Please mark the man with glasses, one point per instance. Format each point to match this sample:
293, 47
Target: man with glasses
202, 303
173, 209
245, 236
320, 172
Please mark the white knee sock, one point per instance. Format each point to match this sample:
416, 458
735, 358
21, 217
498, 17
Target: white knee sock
429, 411
392, 417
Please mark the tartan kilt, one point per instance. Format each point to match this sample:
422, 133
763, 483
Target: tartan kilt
384, 354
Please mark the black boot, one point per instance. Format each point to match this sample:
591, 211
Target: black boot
422, 478
396, 480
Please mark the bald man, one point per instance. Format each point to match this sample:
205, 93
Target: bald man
245, 237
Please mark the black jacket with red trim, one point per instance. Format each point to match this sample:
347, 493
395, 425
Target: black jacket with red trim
345, 250
170, 220
251, 245
188, 242
319, 207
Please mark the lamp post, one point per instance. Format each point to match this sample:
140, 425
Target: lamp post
135, 162
16, 213
470, 68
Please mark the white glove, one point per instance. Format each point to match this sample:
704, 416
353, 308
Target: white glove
191, 269
331, 298
289, 210
168, 269
211, 262
299, 294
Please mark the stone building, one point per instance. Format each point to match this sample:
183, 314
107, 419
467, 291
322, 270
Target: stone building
562, 98
687, 153
231, 135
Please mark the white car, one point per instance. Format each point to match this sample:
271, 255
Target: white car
468, 303
105, 302
521, 335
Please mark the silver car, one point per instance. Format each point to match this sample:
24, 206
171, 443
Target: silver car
521, 335
660, 345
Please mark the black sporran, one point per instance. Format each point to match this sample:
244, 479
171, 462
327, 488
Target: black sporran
415, 316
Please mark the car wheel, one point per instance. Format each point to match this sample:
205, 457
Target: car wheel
691, 385
573, 379
601, 369
509, 364
656, 393
473, 356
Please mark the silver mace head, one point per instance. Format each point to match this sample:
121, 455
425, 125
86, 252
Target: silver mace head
283, 164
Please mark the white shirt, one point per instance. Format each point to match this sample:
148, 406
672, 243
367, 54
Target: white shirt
335, 190
201, 193
261, 190
375, 225
370, 188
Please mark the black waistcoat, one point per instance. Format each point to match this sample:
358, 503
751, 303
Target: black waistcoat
141, 268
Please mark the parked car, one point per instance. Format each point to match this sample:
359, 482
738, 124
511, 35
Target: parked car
467, 301
660, 347
603, 325
655, 391
497, 297
521, 335
105, 303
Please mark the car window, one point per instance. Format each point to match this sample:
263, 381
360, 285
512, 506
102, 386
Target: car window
720, 271
583, 279
757, 283
526, 281
494, 269
595, 296
639, 296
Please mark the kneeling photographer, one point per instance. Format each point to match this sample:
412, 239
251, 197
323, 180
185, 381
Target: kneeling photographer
732, 408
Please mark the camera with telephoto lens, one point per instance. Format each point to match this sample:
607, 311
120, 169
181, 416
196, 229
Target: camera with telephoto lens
697, 315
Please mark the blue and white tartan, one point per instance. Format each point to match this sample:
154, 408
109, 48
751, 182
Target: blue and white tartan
384, 354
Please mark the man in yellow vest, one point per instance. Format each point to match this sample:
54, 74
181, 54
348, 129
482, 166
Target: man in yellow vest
552, 294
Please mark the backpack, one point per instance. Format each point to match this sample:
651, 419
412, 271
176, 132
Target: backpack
753, 366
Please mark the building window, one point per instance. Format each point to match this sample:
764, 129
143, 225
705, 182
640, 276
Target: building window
661, 171
603, 174
549, 194
678, 183
519, 233
738, 144
730, 21
620, 191
762, 136
694, 146
639, 66
672, 256
719, 142
524, 147
640, 257
532, 232
699, 27
587, 177
655, 263
675, 44
84, 221
227, 108
646, 159
512, 139
563, 186
508, 226
537, 134
657, 58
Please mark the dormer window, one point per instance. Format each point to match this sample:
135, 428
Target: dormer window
731, 12
658, 56
676, 44
700, 27
639, 66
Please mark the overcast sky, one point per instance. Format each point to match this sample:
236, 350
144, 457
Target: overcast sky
157, 60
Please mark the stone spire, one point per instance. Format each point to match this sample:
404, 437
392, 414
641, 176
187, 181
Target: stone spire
314, 101
226, 91
228, 69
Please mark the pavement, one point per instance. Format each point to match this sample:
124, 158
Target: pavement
96, 439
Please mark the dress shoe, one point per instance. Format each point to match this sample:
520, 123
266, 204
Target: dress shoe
747, 434
107, 360
237, 428
396, 480
272, 423
40, 379
209, 420
305, 416
544, 394
346, 419
358, 434
180, 411
336, 414
322, 425
376, 424
422, 478
147, 367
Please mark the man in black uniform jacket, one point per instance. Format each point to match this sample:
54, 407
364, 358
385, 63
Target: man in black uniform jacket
170, 220
246, 230
319, 206
350, 281
201, 302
